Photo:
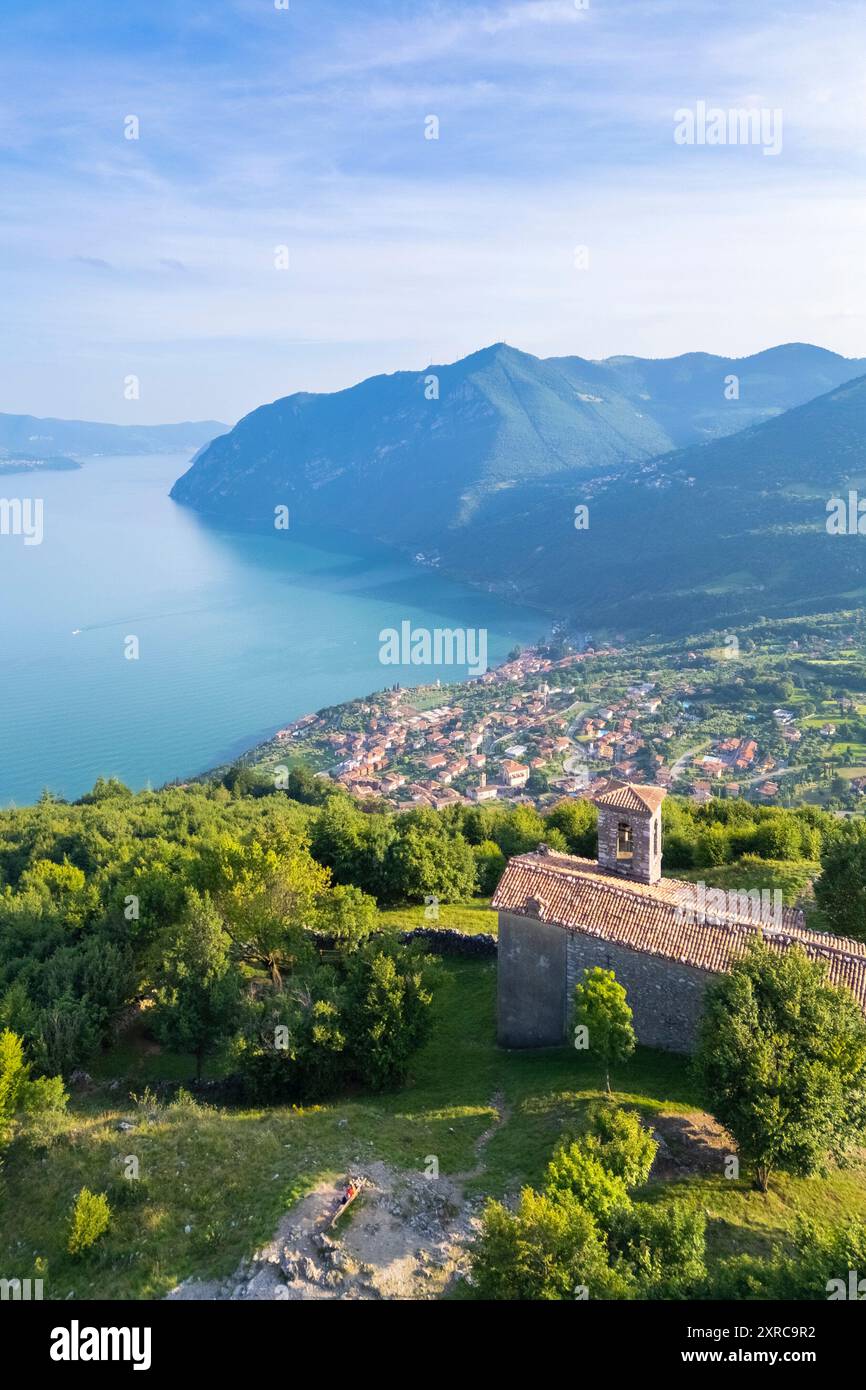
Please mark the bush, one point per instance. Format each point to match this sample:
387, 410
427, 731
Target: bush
619, 1139
582, 1175
664, 1247
584, 1232
550, 1248
90, 1219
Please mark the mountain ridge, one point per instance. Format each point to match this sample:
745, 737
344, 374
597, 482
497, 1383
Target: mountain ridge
478, 465
88, 438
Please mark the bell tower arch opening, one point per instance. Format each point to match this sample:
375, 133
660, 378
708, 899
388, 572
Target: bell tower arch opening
629, 831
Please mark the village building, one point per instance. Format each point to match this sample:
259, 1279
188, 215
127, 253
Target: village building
513, 774
559, 915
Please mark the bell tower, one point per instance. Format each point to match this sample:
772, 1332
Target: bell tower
630, 831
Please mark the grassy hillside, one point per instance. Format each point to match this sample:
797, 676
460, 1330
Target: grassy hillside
229, 1175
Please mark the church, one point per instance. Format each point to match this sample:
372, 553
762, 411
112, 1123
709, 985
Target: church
560, 915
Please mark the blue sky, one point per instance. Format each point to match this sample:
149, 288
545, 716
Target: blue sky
305, 128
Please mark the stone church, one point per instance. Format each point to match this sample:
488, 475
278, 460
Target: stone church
559, 915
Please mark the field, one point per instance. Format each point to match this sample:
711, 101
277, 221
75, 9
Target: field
471, 917
214, 1183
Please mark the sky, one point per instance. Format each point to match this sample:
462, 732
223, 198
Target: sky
283, 221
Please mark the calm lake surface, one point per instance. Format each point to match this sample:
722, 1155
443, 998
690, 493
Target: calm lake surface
238, 633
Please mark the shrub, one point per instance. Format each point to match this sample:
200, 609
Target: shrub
91, 1215
620, 1141
550, 1248
664, 1247
582, 1175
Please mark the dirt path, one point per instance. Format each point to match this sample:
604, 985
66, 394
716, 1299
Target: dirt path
404, 1237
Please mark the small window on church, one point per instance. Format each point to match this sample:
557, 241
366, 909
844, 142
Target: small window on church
624, 847
655, 837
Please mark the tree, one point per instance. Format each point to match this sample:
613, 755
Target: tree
489, 866
538, 782
303, 785
21, 1094
426, 862
269, 897
577, 819
601, 1007
520, 831
841, 890
358, 1020
198, 1005
347, 915
781, 1062
386, 1014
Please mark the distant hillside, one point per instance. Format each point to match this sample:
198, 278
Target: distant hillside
384, 459
30, 436
484, 479
29, 463
714, 534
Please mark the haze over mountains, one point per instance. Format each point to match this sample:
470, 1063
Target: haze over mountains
31, 437
707, 502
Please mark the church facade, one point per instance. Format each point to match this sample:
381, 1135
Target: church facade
559, 915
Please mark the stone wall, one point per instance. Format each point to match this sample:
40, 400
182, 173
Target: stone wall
646, 864
666, 998
531, 975
447, 941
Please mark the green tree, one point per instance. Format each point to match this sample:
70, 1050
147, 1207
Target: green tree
489, 866
21, 1094
840, 891
198, 1005
601, 1007
426, 862
781, 1062
269, 897
347, 915
386, 1013
577, 820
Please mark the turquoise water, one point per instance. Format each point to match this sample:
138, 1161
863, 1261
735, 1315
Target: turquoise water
238, 633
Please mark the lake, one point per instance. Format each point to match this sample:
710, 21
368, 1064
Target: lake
237, 633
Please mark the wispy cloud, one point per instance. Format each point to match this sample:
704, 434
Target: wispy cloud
305, 128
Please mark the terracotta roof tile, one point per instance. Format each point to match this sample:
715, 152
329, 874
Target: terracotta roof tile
579, 896
628, 797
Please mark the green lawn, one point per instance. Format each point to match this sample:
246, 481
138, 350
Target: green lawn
472, 917
230, 1175
755, 873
